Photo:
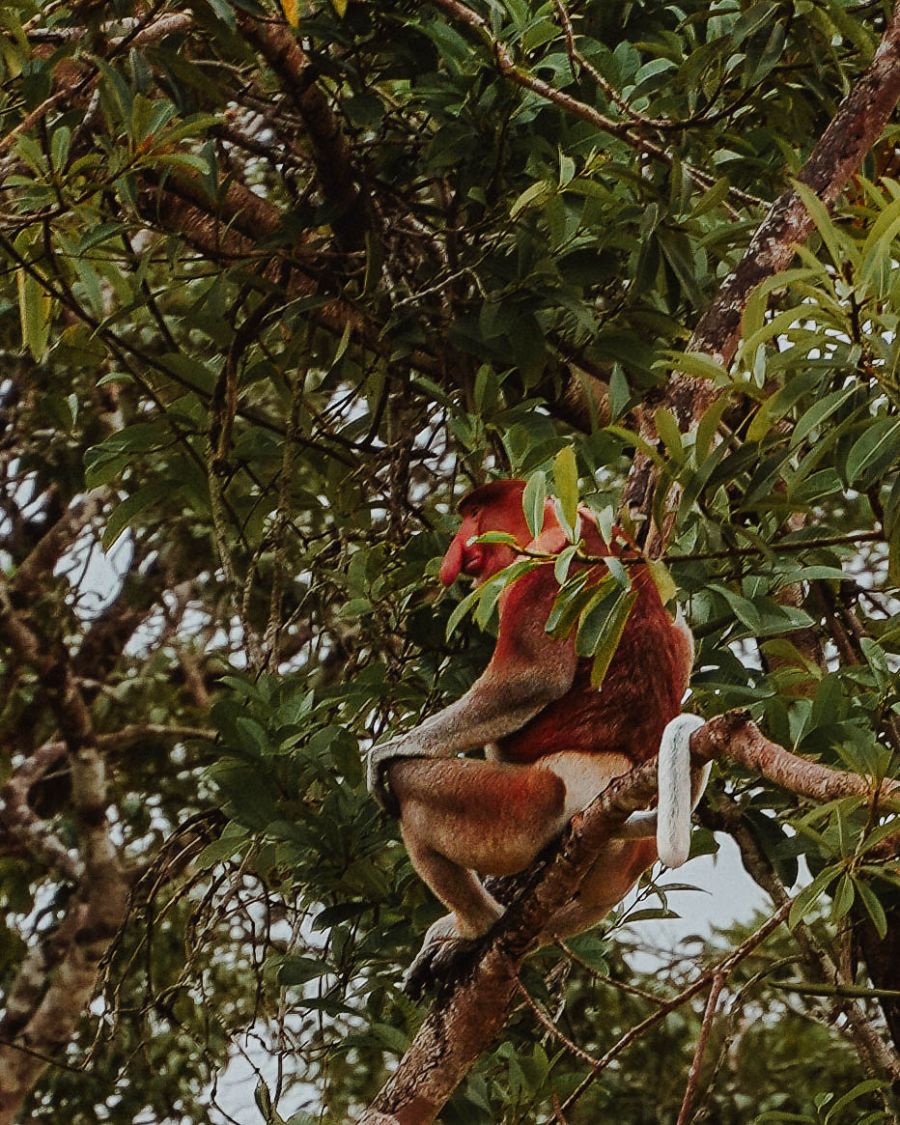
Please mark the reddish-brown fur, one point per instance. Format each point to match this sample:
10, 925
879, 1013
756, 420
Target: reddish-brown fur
553, 741
648, 675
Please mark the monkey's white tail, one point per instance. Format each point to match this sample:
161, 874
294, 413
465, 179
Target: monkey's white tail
673, 822
679, 791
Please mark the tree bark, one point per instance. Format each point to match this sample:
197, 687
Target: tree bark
462, 1025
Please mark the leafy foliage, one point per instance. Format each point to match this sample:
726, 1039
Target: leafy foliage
274, 417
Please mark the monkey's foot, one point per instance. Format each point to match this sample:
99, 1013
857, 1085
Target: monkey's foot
438, 965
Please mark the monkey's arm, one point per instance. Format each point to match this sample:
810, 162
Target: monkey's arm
527, 670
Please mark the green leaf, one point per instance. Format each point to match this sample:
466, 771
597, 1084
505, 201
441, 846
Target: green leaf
894, 556
618, 571
35, 304
190, 372
608, 642
563, 562
224, 11
811, 894
252, 735
831, 236
881, 439
878, 241
630, 437
221, 849
744, 609
663, 580
486, 389
819, 412
668, 431
778, 404
694, 363
712, 197
533, 500
502, 537
873, 907
594, 616
678, 253
122, 515
708, 427
465, 606
59, 147
867, 1086
565, 485
569, 603
843, 897
531, 197
299, 970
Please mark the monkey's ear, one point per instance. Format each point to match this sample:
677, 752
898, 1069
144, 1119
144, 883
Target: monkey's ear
453, 561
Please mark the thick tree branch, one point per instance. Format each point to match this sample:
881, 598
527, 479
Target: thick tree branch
462, 1025
839, 153
99, 907
335, 172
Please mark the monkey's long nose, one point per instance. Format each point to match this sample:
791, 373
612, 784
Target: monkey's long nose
452, 563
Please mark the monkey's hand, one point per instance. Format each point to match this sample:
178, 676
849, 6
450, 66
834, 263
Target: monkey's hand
443, 956
377, 762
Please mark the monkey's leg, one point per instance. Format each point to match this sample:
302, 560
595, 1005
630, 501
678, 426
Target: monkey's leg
617, 868
460, 816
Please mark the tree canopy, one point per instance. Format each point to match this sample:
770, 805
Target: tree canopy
279, 284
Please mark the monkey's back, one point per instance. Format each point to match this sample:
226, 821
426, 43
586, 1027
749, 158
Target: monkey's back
640, 694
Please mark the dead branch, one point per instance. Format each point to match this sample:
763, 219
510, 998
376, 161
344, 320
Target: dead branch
98, 908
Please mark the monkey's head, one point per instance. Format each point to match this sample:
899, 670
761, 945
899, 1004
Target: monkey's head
492, 507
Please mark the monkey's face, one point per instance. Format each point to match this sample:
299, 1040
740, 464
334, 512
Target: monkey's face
493, 507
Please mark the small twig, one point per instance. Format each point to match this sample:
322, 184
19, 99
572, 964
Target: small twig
621, 129
609, 981
794, 545
725, 553
690, 1091
721, 969
548, 1025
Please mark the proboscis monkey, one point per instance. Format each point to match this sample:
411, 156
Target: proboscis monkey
552, 742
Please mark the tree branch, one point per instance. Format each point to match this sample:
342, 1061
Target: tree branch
838, 154
463, 1023
101, 900
337, 177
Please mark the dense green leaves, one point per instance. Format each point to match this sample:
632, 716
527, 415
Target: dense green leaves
275, 412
